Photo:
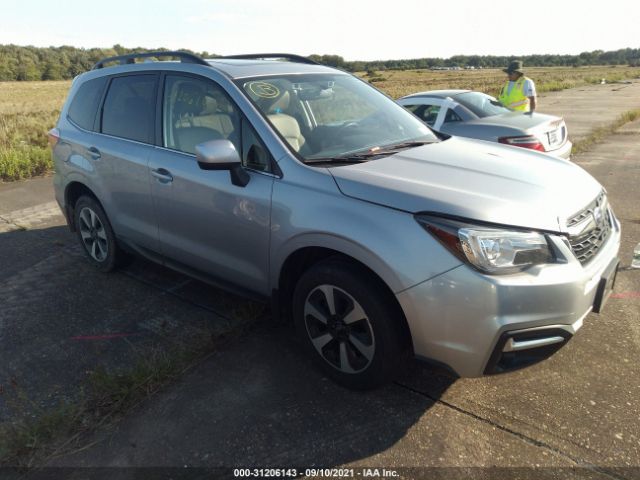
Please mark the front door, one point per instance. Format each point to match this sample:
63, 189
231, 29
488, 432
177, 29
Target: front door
206, 222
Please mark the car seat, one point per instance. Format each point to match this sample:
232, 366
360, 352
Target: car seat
286, 124
212, 116
189, 129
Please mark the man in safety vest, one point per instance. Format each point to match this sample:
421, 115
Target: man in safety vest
519, 92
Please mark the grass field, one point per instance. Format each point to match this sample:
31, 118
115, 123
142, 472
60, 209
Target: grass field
399, 83
29, 109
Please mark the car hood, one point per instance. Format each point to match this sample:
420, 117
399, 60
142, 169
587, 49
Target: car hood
476, 180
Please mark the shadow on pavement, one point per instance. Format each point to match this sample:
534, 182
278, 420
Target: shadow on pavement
61, 319
260, 402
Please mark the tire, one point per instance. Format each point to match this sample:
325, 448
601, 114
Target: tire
361, 345
96, 236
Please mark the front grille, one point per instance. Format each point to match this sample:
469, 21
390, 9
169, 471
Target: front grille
592, 227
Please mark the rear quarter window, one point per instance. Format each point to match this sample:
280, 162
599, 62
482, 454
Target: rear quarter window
84, 105
129, 108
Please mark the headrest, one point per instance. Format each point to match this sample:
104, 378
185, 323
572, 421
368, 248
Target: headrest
210, 106
281, 104
224, 106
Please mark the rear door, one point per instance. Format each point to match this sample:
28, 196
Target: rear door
73, 153
206, 223
127, 127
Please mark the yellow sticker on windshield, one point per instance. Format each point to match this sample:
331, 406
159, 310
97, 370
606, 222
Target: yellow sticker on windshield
264, 89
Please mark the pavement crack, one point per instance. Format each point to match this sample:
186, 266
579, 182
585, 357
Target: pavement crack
519, 435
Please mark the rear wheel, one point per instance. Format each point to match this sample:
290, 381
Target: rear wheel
348, 323
96, 235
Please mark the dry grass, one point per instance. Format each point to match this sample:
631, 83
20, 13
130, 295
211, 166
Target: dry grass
27, 111
32, 97
398, 83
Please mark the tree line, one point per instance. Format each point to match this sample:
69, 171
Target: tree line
624, 56
59, 63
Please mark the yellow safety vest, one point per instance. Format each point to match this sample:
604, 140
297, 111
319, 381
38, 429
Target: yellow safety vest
516, 99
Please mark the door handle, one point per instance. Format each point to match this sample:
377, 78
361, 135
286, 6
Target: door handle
94, 153
163, 175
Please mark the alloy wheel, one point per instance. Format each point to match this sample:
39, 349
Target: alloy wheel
339, 328
93, 234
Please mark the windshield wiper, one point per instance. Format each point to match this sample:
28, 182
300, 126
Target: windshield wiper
367, 155
352, 158
396, 147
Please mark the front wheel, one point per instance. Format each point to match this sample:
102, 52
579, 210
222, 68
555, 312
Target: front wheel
348, 323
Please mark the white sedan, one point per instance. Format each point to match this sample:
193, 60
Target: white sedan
472, 114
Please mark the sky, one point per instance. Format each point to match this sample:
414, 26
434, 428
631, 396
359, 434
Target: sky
354, 29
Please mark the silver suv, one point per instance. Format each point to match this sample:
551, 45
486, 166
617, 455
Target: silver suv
303, 185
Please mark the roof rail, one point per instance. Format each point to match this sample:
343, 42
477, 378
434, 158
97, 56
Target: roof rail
185, 57
287, 56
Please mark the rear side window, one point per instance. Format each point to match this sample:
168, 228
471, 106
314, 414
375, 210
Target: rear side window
129, 108
84, 105
428, 113
451, 116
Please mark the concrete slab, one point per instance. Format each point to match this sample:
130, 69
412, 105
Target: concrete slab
25, 193
31, 233
589, 107
630, 128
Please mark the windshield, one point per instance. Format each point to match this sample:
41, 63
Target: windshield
328, 116
481, 104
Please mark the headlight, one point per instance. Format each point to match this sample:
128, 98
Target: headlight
490, 250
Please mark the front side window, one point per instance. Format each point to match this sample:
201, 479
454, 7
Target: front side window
254, 153
324, 116
196, 110
129, 108
84, 105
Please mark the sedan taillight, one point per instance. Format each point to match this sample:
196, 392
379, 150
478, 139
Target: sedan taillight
525, 141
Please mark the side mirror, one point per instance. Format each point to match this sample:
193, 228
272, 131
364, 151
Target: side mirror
222, 155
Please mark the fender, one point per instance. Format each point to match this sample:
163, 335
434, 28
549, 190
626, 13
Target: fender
339, 244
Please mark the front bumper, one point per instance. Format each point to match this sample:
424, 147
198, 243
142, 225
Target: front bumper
462, 317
